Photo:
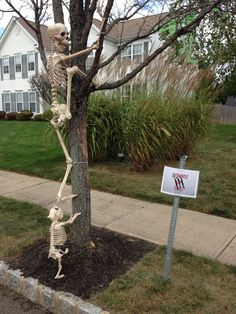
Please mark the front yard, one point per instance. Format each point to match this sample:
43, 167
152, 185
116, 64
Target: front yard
25, 147
198, 285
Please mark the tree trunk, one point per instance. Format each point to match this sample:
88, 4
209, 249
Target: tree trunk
79, 172
58, 11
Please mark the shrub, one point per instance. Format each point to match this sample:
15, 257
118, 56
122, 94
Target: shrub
153, 125
47, 115
11, 115
2, 115
38, 117
24, 115
103, 127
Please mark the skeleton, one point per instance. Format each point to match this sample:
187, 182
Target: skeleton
60, 76
58, 236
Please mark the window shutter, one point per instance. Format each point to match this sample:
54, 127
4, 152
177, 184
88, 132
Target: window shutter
145, 48
119, 57
25, 101
12, 68
13, 102
24, 66
1, 73
36, 64
37, 102
3, 104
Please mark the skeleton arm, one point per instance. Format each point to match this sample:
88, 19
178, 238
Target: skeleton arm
79, 53
70, 220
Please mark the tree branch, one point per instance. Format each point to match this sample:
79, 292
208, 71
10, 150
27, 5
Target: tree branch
180, 32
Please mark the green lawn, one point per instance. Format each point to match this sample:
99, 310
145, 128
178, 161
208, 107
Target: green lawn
197, 285
21, 224
26, 147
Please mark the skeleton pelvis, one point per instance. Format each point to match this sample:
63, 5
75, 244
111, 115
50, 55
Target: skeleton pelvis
60, 113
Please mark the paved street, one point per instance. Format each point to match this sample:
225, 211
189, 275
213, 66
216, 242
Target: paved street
13, 303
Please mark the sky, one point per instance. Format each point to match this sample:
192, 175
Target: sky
5, 18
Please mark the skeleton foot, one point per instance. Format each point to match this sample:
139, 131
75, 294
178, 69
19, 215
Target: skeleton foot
59, 270
64, 198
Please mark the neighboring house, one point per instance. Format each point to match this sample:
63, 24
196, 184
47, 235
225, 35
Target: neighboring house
20, 59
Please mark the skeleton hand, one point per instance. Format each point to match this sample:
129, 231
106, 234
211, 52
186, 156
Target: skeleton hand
95, 45
72, 218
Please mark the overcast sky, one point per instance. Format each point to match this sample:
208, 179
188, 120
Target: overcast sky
5, 18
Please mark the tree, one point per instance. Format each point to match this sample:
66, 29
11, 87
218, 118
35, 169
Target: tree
81, 19
212, 44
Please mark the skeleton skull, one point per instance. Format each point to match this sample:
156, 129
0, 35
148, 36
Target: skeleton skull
59, 34
55, 213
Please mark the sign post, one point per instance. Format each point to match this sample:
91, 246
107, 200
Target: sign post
179, 183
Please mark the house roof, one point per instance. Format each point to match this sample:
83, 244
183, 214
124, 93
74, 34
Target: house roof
126, 30
43, 28
123, 30
31, 33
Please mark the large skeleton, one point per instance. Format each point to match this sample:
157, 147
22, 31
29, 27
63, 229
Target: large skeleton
58, 236
60, 76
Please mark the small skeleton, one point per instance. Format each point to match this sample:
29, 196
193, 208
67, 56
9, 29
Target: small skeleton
58, 236
60, 76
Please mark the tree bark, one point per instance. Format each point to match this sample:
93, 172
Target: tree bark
58, 11
78, 134
79, 173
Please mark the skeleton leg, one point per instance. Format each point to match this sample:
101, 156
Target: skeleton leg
59, 268
68, 168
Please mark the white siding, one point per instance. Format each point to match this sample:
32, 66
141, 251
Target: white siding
109, 46
17, 41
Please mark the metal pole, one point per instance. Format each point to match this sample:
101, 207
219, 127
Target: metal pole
172, 227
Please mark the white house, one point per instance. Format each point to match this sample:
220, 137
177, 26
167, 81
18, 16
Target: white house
20, 59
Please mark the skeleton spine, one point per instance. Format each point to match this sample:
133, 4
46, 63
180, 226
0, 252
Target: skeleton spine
55, 77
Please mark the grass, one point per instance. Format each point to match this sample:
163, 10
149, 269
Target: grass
26, 148
21, 224
197, 285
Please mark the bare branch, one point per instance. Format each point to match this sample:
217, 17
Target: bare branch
14, 9
180, 32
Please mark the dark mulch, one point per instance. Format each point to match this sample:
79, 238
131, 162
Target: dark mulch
86, 270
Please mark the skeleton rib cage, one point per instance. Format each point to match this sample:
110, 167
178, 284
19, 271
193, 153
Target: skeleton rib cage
56, 74
57, 235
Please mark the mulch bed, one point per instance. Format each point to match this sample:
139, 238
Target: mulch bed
86, 270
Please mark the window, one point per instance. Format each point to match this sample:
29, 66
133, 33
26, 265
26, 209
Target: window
7, 101
5, 64
19, 101
31, 61
135, 52
32, 101
18, 63
126, 55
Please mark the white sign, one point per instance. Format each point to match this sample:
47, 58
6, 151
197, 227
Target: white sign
180, 182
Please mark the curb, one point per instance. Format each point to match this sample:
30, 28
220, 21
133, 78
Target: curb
58, 302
